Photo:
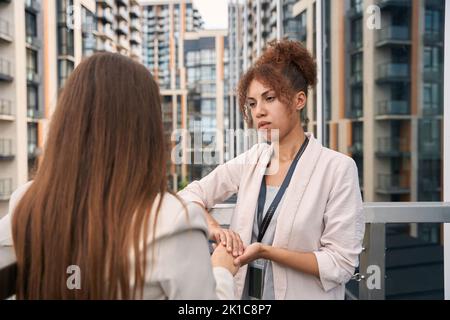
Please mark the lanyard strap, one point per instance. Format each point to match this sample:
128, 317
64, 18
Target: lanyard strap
276, 201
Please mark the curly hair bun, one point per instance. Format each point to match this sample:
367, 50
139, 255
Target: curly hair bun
287, 54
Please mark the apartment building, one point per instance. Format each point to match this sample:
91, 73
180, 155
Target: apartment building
41, 42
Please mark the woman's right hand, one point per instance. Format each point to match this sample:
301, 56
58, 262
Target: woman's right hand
222, 258
229, 239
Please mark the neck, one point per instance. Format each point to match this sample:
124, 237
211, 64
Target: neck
290, 144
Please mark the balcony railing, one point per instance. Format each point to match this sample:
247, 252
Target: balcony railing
32, 75
393, 184
32, 5
394, 3
432, 109
33, 41
5, 189
432, 74
393, 107
393, 34
5, 107
377, 216
5, 30
33, 113
6, 150
5, 70
393, 72
135, 11
392, 147
356, 149
109, 3
433, 37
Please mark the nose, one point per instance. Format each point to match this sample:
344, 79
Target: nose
259, 110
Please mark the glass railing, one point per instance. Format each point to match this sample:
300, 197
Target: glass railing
393, 70
5, 188
393, 183
392, 146
393, 107
394, 33
5, 30
5, 68
5, 107
6, 148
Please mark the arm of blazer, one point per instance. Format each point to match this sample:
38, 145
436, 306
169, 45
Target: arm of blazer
222, 182
6, 221
341, 240
183, 265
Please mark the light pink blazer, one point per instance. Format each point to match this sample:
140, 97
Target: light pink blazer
321, 213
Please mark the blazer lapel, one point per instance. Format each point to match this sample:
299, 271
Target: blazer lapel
290, 206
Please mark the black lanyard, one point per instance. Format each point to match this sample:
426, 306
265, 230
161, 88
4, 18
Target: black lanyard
276, 201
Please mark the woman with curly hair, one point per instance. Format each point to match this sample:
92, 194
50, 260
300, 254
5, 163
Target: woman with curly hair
301, 225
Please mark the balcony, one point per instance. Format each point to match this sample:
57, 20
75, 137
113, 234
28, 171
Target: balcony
393, 108
106, 15
33, 151
355, 11
123, 2
32, 76
135, 38
122, 14
391, 147
136, 25
109, 3
430, 149
122, 29
393, 3
433, 37
355, 112
135, 11
5, 189
6, 152
32, 6
6, 109
393, 35
357, 78
106, 32
5, 31
393, 72
393, 184
33, 41
356, 149
356, 46
104, 46
432, 109
432, 74
35, 114
5, 70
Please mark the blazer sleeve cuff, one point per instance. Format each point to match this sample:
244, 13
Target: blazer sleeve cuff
328, 271
224, 283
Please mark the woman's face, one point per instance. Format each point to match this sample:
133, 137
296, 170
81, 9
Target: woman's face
269, 113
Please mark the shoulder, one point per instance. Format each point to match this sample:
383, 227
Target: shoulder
336, 160
176, 216
17, 195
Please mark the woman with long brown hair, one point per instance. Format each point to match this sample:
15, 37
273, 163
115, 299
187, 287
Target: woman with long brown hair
99, 200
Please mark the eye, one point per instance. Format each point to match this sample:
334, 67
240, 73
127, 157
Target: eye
270, 99
251, 104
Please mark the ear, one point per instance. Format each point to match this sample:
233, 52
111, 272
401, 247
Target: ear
300, 100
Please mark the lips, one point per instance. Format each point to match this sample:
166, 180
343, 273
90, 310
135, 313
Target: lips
263, 125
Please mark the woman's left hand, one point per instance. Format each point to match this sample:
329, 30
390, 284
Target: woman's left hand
251, 253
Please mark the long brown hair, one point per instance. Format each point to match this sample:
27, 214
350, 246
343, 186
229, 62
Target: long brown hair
102, 170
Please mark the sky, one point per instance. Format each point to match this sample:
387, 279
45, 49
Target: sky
213, 12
